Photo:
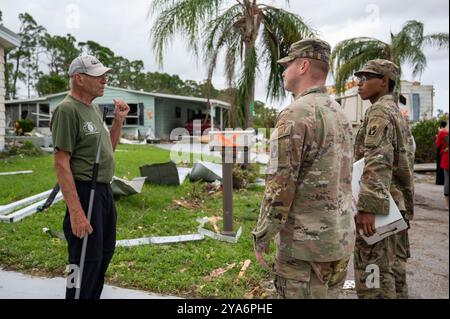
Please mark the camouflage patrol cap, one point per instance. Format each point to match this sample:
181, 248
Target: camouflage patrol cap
308, 48
381, 67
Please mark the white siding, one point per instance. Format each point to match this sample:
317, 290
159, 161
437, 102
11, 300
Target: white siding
165, 120
426, 93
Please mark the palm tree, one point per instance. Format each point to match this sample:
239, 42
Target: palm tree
247, 32
406, 46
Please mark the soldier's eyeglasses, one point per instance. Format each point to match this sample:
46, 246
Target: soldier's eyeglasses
364, 78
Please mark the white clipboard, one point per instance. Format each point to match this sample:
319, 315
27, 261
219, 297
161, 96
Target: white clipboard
385, 225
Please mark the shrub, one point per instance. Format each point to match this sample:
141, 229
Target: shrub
425, 133
24, 126
27, 149
242, 177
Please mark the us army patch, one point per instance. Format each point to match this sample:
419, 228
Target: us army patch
376, 131
373, 130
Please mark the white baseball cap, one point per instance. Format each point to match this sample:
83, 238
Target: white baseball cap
87, 64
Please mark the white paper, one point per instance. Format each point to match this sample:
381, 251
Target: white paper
385, 225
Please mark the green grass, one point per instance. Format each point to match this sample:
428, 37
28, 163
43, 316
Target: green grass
176, 269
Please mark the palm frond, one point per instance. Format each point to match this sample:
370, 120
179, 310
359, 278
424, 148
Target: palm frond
410, 35
350, 55
280, 30
408, 45
438, 40
349, 67
184, 16
419, 61
348, 49
219, 32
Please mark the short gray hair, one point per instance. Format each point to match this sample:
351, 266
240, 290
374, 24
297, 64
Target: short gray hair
71, 82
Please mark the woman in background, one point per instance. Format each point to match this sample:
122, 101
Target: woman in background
442, 144
439, 171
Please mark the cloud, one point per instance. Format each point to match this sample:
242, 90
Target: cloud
123, 26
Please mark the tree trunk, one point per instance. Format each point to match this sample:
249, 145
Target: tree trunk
250, 34
250, 96
7, 79
16, 75
29, 76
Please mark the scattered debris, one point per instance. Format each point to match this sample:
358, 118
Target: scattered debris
206, 171
54, 234
349, 284
5, 209
130, 142
183, 172
161, 173
151, 138
186, 204
213, 188
123, 187
16, 173
181, 238
208, 233
218, 272
47, 149
159, 240
244, 268
28, 211
213, 220
50, 199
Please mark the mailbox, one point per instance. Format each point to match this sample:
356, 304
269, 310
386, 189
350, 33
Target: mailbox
230, 144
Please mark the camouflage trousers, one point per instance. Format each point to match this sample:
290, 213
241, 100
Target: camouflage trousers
380, 269
297, 279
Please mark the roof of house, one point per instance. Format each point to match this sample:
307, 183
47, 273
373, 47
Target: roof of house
154, 94
8, 39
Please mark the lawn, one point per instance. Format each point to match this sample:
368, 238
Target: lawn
175, 269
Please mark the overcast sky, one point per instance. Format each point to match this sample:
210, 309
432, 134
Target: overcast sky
124, 27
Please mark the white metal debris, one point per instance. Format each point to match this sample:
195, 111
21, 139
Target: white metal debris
5, 209
16, 173
47, 149
213, 235
27, 211
183, 172
349, 284
121, 186
129, 142
206, 171
158, 240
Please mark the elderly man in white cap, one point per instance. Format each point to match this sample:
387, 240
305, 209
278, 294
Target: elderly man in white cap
76, 126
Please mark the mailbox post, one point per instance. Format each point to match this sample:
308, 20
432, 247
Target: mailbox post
229, 144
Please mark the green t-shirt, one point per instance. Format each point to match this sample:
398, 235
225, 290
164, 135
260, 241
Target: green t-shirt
76, 128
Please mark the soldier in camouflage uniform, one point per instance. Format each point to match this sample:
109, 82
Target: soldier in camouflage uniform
386, 143
307, 204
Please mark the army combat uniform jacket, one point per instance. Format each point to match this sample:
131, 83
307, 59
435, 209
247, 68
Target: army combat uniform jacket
307, 202
385, 141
